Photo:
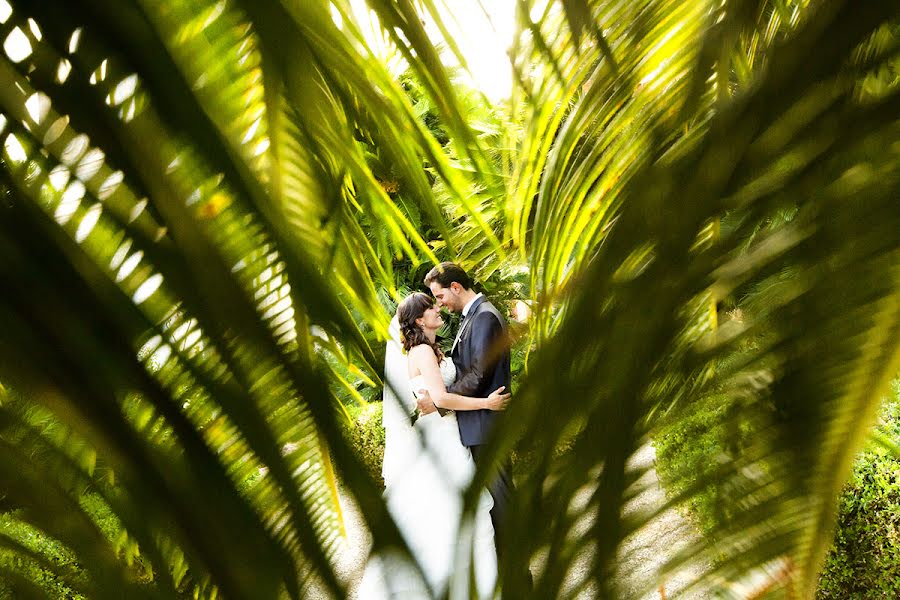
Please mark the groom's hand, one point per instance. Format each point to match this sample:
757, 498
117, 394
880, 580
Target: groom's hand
426, 406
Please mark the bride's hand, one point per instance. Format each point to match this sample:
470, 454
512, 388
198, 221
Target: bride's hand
424, 402
497, 400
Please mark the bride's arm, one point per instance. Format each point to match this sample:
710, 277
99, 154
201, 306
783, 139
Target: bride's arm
423, 360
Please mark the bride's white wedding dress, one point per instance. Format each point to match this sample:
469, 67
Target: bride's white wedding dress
426, 469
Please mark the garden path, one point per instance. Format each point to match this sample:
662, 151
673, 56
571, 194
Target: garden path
641, 557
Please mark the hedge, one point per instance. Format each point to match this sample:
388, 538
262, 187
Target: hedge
865, 559
864, 562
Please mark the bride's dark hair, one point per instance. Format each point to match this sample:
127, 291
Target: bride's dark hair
411, 308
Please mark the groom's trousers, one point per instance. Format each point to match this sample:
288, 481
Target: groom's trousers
501, 488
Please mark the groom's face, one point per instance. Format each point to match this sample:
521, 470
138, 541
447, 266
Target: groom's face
447, 297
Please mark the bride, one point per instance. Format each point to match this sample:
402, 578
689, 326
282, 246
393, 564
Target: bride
426, 470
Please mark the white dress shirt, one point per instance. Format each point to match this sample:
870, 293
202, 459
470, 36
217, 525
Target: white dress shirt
465, 311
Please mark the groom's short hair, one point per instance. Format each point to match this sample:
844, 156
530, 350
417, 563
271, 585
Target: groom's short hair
446, 273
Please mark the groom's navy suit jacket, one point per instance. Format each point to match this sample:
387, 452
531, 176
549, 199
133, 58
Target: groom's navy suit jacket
481, 356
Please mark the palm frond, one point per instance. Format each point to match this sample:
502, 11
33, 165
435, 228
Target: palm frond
641, 347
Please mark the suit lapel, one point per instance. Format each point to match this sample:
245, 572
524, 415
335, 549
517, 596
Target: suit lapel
469, 318
459, 333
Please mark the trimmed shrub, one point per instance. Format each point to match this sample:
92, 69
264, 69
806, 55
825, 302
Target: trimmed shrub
693, 442
864, 562
865, 559
366, 435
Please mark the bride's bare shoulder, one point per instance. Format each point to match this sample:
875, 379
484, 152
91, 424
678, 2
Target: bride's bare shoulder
422, 352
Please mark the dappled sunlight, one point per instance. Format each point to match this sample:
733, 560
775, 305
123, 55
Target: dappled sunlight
147, 288
63, 71
56, 130
120, 254
74, 41
109, 186
37, 105
99, 73
14, 150
88, 221
69, 202
35, 30
59, 177
124, 90
129, 265
90, 164
17, 46
74, 149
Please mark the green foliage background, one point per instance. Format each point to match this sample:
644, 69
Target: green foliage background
865, 559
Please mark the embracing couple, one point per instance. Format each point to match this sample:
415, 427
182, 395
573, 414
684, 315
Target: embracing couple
439, 412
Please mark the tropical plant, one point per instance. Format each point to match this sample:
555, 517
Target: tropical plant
865, 558
723, 142
182, 250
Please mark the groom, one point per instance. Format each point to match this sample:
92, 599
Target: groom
481, 355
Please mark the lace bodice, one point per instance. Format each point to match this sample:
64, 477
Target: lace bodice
448, 374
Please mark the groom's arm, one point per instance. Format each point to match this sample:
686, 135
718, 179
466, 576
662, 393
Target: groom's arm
485, 339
